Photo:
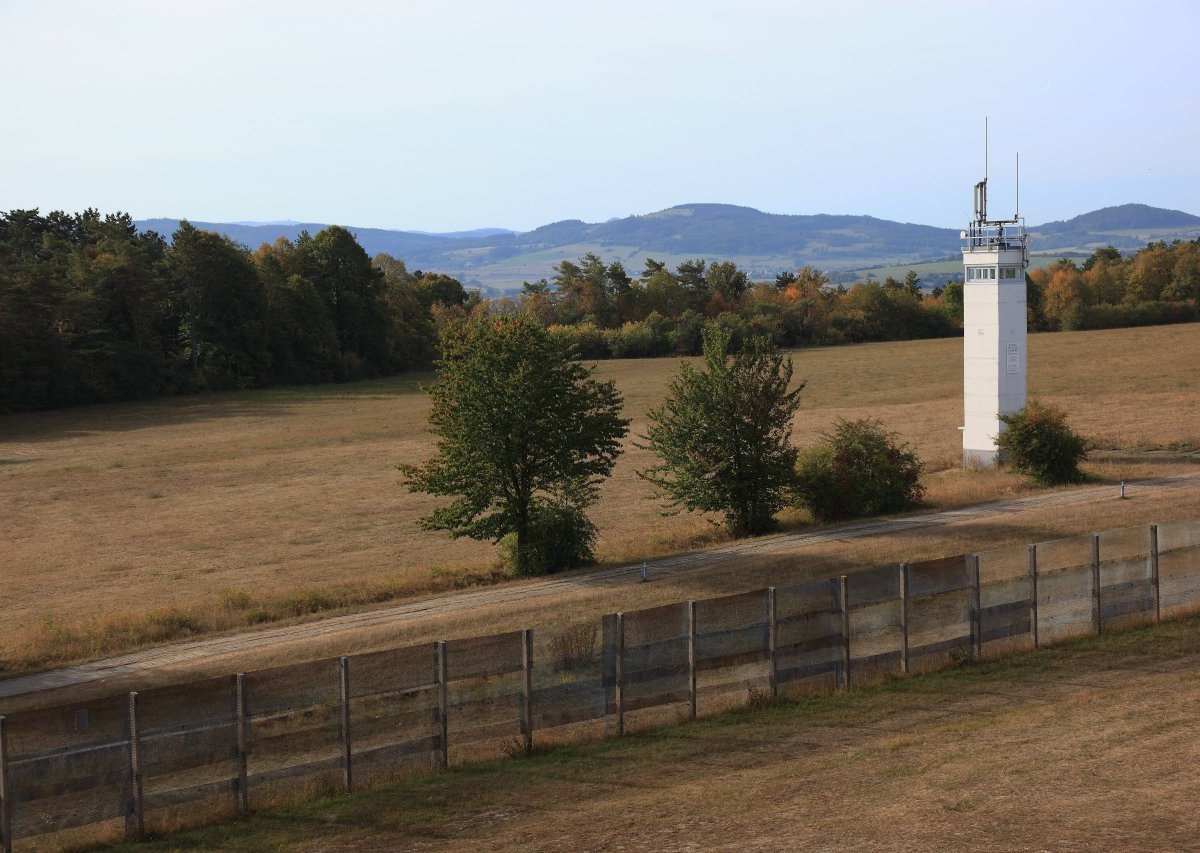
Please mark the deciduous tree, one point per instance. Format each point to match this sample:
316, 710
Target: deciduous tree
723, 434
525, 437
1066, 298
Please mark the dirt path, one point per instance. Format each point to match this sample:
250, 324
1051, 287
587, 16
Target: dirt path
180, 653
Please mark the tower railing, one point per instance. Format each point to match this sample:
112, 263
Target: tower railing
995, 235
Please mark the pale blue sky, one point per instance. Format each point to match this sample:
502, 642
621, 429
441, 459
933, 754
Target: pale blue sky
459, 114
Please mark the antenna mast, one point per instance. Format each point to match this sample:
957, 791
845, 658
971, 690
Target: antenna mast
981, 187
1017, 212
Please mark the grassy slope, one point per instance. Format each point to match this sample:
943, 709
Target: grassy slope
225, 506
511, 273
1091, 743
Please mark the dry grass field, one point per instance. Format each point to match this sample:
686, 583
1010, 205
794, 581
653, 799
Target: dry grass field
138, 523
1088, 746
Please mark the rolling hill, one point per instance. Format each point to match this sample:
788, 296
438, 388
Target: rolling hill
1127, 226
762, 243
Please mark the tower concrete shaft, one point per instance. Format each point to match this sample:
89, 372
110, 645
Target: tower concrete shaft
995, 256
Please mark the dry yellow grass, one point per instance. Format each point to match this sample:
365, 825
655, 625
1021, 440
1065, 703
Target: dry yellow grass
246, 506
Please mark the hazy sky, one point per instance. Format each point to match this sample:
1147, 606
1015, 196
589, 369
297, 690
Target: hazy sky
459, 114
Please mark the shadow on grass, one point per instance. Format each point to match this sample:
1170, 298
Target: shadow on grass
275, 402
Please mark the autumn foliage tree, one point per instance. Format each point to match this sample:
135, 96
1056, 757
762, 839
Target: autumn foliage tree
1038, 441
1066, 297
859, 468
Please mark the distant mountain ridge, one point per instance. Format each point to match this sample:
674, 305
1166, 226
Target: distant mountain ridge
763, 243
1122, 217
731, 230
374, 240
1126, 226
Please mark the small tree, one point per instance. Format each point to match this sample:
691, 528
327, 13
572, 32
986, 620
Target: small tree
724, 433
1038, 442
859, 469
525, 436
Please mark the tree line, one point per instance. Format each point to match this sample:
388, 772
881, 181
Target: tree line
609, 314
91, 310
1158, 284
606, 313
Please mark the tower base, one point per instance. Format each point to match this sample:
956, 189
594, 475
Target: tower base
981, 458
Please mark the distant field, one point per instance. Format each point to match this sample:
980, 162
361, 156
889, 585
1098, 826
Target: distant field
1168, 234
953, 266
289, 498
531, 266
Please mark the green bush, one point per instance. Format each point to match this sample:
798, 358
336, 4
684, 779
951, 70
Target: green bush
560, 537
636, 339
588, 340
1038, 442
858, 469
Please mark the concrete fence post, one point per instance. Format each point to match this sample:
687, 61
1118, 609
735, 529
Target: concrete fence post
772, 643
976, 611
904, 571
241, 742
135, 818
619, 687
1033, 594
1154, 583
527, 688
5, 791
344, 708
443, 711
844, 603
691, 653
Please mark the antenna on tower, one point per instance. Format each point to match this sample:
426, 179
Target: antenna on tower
1017, 213
981, 187
985, 148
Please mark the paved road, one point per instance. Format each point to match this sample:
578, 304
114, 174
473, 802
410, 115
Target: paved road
161, 656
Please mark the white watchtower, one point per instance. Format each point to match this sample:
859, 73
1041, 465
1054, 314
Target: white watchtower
995, 255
